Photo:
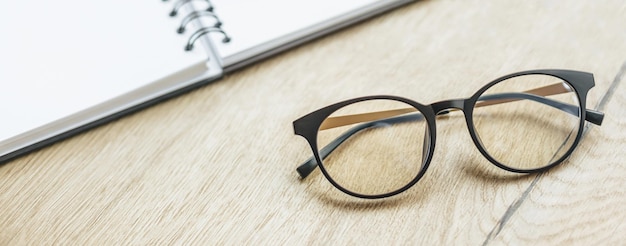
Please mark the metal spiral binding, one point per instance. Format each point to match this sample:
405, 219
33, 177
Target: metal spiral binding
194, 15
202, 31
180, 4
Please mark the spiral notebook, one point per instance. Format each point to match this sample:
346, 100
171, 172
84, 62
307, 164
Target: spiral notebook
67, 66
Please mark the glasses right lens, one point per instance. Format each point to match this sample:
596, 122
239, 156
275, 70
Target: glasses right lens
382, 147
526, 128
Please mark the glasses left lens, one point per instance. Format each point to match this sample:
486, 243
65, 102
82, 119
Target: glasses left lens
382, 146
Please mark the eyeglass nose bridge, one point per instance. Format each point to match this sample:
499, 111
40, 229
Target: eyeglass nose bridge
443, 107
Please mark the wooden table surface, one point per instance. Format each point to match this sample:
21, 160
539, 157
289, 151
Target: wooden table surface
217, 165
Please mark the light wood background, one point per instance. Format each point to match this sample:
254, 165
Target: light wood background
217, 165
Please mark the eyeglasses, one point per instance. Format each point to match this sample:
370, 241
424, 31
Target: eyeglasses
379, 146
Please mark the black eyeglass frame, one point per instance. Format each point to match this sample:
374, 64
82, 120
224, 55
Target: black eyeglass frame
308, 125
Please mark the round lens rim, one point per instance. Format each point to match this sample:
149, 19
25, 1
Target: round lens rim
426, 111
580, 96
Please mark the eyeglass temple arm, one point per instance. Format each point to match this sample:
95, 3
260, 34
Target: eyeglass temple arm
592, 116
309, 165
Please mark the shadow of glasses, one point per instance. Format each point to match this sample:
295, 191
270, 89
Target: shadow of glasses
318, 187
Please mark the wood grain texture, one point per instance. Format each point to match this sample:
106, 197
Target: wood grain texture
217, 165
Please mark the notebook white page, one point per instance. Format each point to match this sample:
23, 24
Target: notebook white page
66, 66
60, 57
258, 26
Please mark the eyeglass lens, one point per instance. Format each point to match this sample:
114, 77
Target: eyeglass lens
519, 128
382, 156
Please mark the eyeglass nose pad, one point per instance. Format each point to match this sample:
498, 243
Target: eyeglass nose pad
425, 145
